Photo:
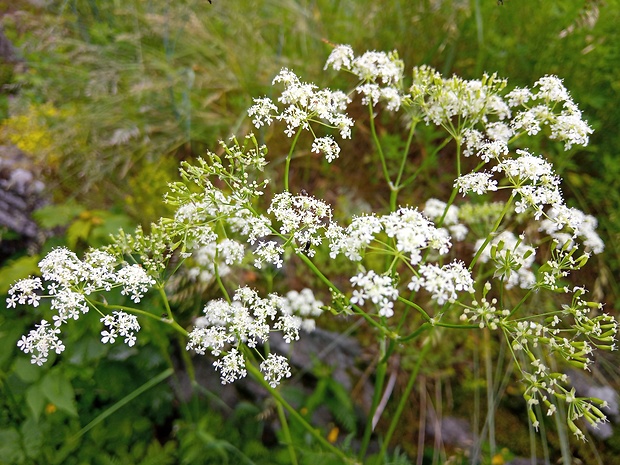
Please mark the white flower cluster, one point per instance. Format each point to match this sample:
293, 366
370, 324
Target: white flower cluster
567, 126
268, 252
40, 341
410, 229
304, 104
443, 282
533, 179
438, 210
439, 100
560, 217
214, 257
120, 324
478, 183
250, 319
485, 313
380, 74
69, 281
303, 216
305, 305
379, 289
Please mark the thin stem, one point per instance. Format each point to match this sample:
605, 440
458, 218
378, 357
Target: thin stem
401, 170
376, 398
331, 285
287, 433
426, 161
430, 320
288, 160
375, 138
491, 234
403, 401
488, 365
315, 433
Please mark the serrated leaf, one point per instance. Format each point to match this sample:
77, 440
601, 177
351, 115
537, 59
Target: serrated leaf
52, 216
58, 391
79, 230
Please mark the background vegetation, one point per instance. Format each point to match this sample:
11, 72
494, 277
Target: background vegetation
108, 96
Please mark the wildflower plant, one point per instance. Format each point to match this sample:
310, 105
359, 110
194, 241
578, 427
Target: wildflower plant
516, 237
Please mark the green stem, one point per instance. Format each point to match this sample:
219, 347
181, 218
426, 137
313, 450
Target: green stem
401, 170
488, 363
430, 321
287, 433
427, 159
376, 398
288, 160
331, 285
315, 433
375, 138
403, 401
491, 234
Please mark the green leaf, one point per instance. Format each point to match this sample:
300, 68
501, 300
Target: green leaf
35, 399
58, 390
26, 371
126, 400
17, 269
9, 335
10, 447
32, 437
79, 230
52, 216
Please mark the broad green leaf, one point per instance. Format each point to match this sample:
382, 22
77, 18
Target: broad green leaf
79, 230
10, 449
32, 437
58, 391
52, 216
17, 269
35, 399
25, 370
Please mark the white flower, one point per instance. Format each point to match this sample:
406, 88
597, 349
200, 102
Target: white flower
560, 217
378, 289
135, 281
40, 341
352, 240
443, 282
551, 89
120, 324
263, 111
268, 252
328, 146
231, 366
478, 183
306, 103
340, 57
24, 292
519, 96
274, 369
303, 216
230, 251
